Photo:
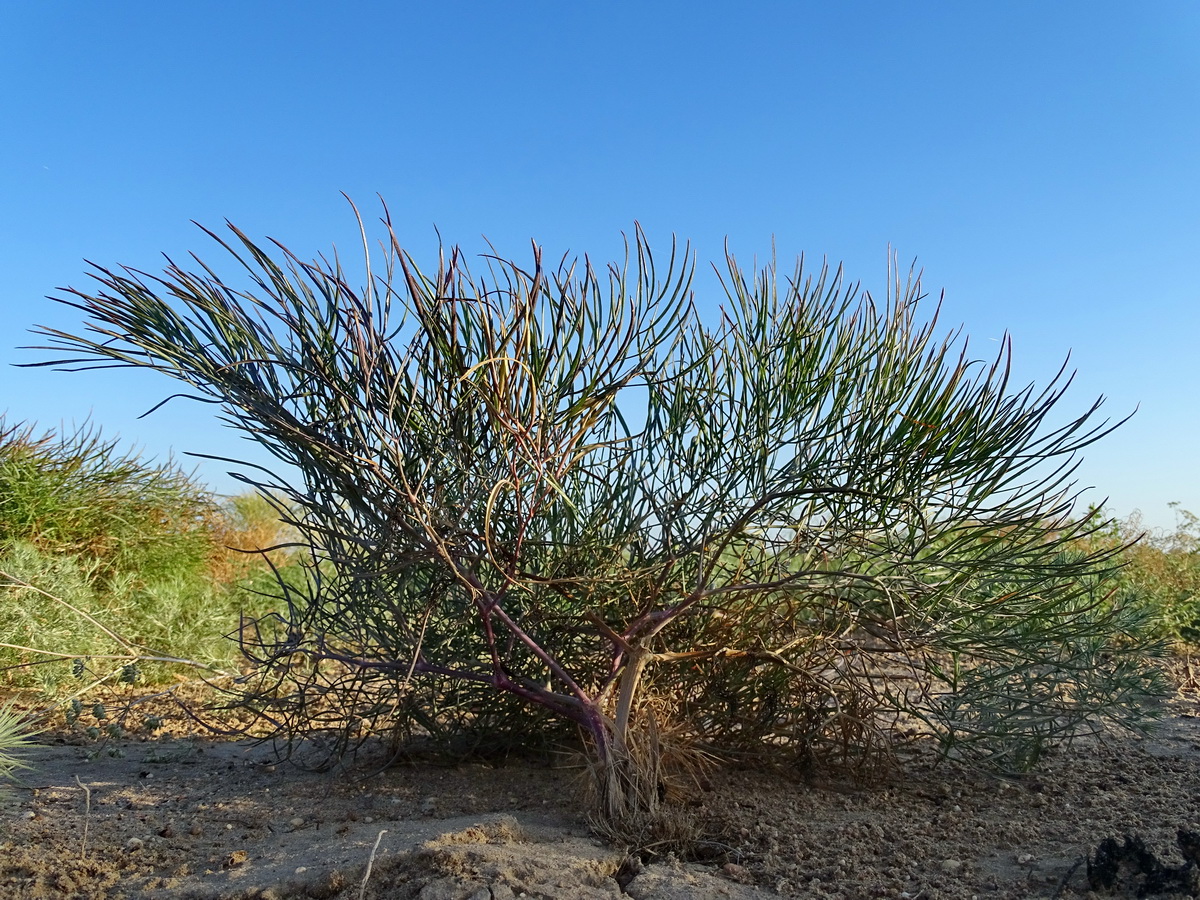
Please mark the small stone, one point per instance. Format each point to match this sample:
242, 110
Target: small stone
737, 873
166, 831
951, 866
296, 823
1024, 859
368, 820
300, 870
134, 844
450, 889
195, 830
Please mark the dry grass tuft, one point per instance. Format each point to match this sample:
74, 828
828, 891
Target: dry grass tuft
1184, 671
641, 789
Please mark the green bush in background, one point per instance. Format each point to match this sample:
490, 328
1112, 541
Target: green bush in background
1161, 573
104, 554
77, 494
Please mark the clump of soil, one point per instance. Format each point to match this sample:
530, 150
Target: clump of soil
1131, 866
191, 817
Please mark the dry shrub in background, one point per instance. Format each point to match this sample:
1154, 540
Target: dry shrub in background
560, 494
249, 537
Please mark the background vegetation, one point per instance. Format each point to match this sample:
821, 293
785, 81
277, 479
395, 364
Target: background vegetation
109, 562
1161, 572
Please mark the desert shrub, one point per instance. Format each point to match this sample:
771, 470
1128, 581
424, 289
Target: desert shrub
105, 555
552, 492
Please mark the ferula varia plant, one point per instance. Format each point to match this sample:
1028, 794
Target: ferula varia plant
562, 493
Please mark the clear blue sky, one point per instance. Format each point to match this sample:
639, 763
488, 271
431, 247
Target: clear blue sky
1041, 161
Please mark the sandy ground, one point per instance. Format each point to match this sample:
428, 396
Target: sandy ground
196, 818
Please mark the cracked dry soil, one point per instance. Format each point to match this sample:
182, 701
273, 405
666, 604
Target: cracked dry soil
197, 818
